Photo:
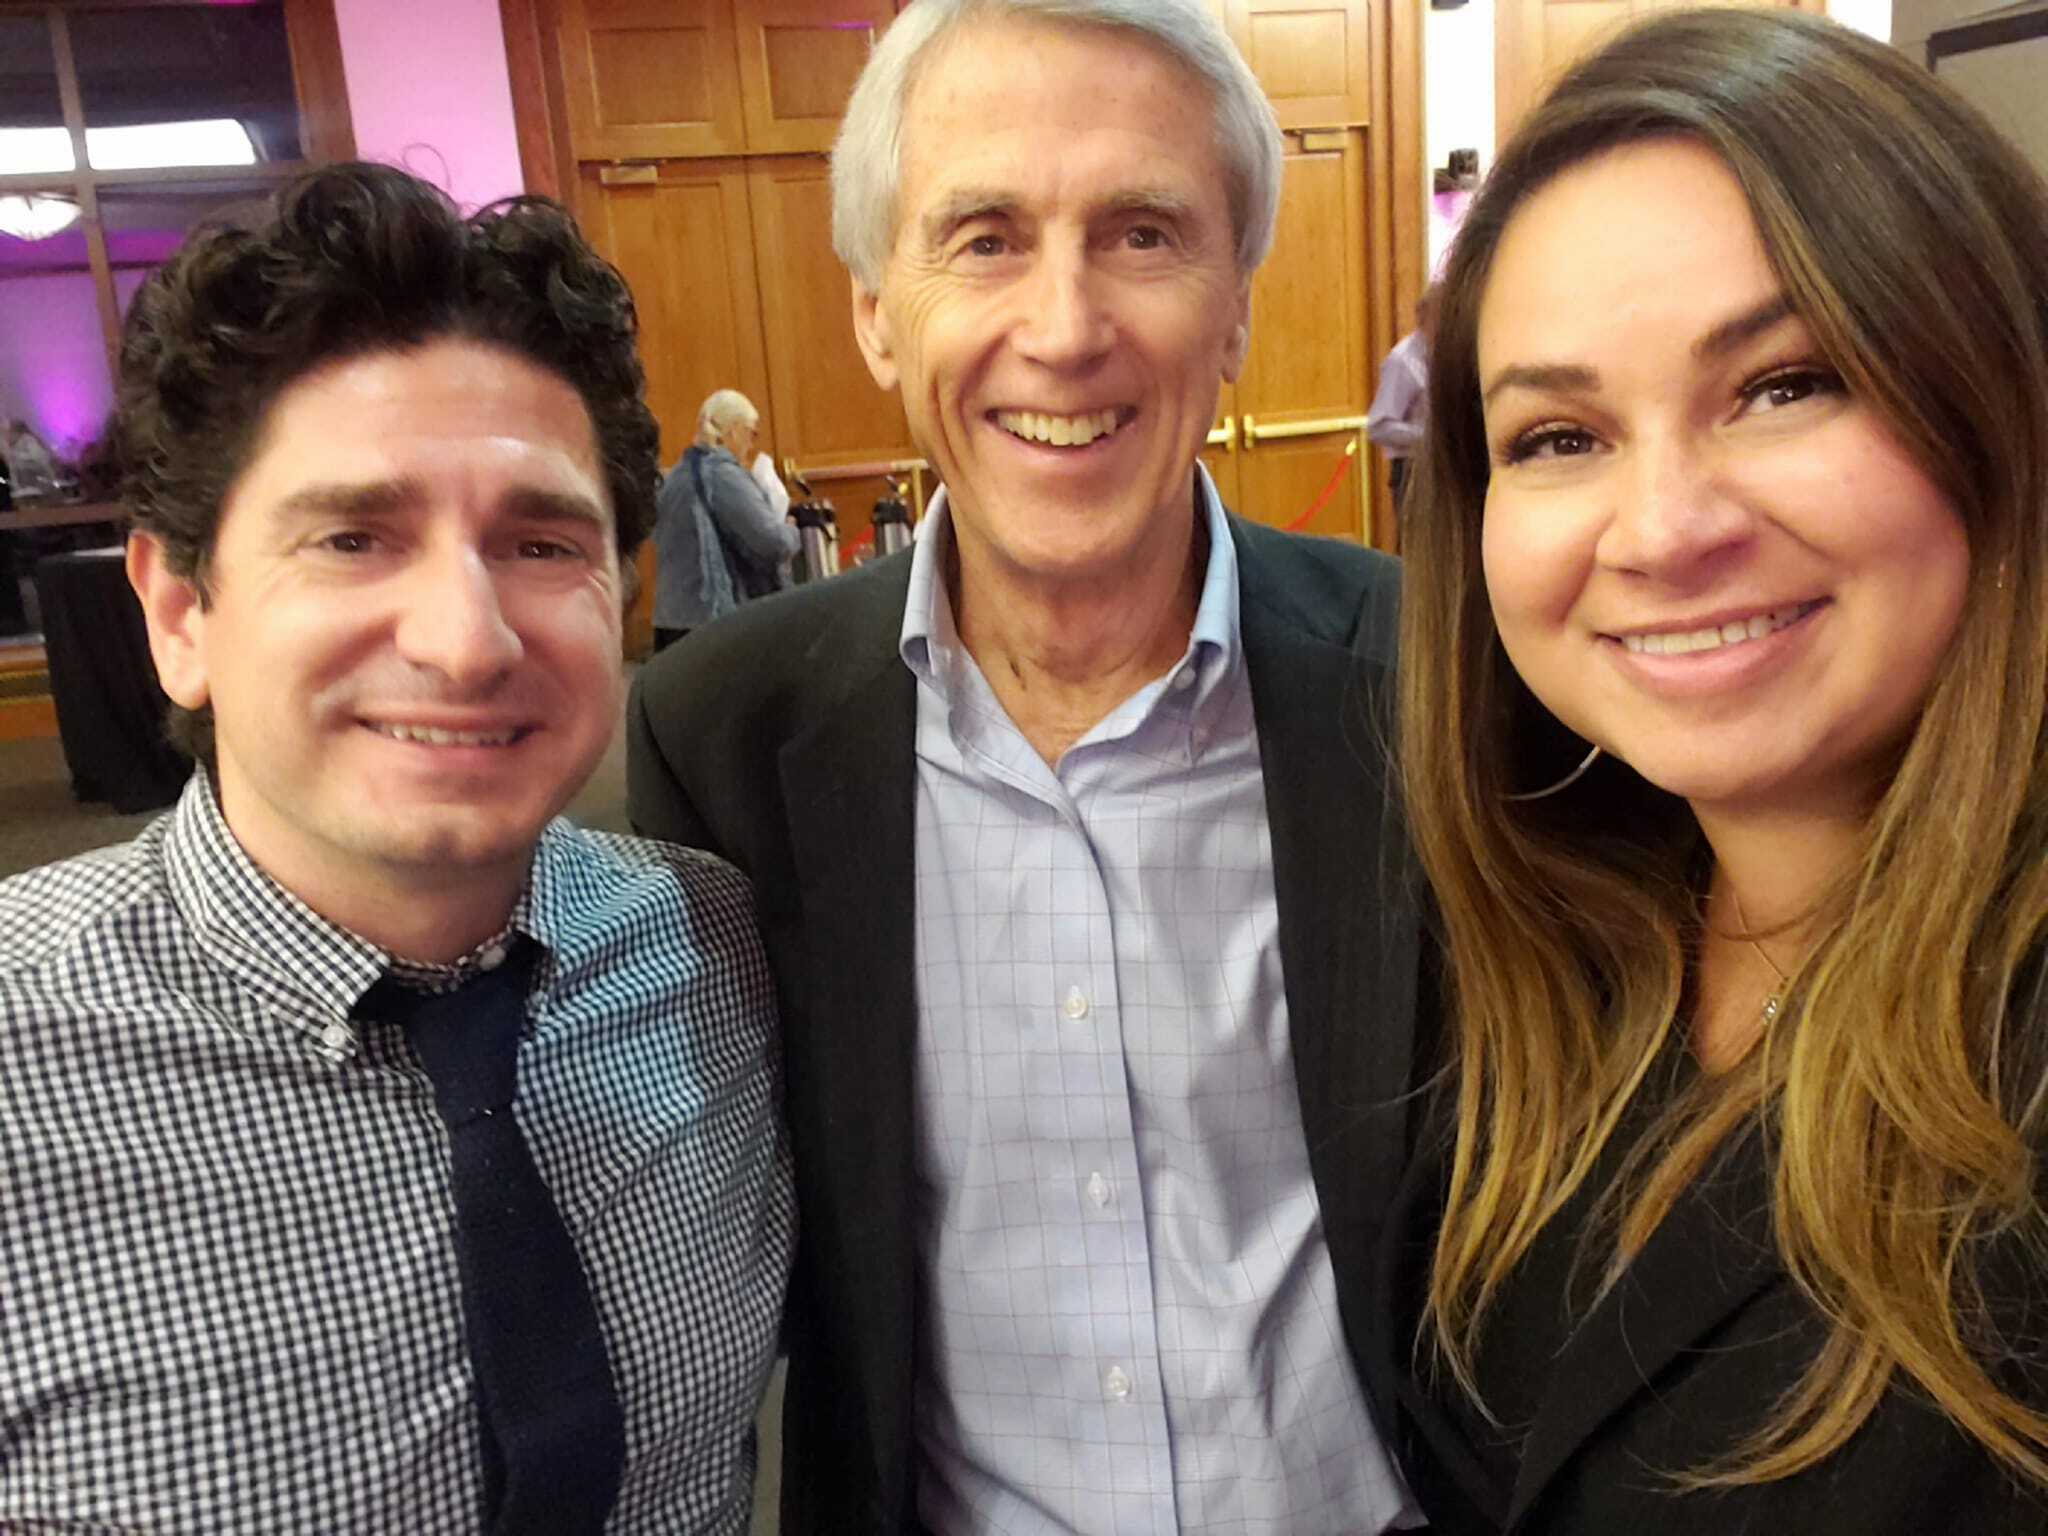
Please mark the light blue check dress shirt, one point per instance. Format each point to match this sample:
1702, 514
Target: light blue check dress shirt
1131, 1322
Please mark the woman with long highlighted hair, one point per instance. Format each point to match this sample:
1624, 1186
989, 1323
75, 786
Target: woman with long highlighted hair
1725, 677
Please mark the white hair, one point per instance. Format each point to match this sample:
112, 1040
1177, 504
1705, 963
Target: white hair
867, 159
722, 410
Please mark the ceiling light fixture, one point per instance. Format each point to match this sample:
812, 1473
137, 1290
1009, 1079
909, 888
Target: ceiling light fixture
36, 217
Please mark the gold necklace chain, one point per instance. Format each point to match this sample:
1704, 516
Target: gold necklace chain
1777, 996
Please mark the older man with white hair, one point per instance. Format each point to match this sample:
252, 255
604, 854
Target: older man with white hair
1088, 915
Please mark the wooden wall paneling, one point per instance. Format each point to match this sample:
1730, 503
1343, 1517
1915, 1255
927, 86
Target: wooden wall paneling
1536, 41
1292, 473
1310, 363
798, 60
1315, 58
315, 42
683, 241
1397, 214
824, 408
533, 69
651, 79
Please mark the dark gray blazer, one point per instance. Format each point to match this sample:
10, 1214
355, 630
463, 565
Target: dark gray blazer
782, 738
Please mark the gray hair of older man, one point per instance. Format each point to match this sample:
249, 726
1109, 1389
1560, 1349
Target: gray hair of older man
867, 160
722, 410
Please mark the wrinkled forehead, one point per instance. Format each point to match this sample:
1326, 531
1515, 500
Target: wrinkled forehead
992, 57
1008, 112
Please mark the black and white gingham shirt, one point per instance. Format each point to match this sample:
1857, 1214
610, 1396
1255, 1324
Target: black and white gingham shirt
228, 1290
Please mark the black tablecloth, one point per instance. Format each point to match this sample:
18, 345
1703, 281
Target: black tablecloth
110, 711
13, 617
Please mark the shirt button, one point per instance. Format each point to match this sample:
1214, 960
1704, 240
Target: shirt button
1098, 1190
491, 958
1184, 679
1116, 1383
1075, 1005
335, 1037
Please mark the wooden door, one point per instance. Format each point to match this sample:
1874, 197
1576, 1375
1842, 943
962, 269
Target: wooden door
650, 79
1301, 400
1536, 41
1313, 57
829, 417
798, 61
681, 234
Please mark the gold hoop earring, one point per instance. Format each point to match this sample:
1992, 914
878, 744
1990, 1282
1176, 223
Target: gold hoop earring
1562, 784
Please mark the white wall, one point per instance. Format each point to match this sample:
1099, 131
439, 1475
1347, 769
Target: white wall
1457, 76
1871, 16
428, 90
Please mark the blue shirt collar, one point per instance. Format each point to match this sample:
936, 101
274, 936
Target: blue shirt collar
930, 642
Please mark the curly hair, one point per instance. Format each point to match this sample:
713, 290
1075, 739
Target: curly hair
359, 259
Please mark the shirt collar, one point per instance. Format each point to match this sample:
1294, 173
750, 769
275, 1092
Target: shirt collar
250, 925
930, 644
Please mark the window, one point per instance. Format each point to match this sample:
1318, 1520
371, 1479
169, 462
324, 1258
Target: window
122, 127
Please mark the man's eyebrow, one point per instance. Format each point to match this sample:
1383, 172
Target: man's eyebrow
1159, 201
380, 498
536, 505
369, 498
958, 207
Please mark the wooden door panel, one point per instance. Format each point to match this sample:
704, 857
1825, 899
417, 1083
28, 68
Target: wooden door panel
824, 396
1282, 481
1536, 41
1308, 344
650, 79
1310, 360
798, 61
683, 242
827, 409
1313, 57
1308, 341
1574, 28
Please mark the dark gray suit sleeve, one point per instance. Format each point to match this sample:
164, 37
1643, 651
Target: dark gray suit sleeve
656, 802
743, 511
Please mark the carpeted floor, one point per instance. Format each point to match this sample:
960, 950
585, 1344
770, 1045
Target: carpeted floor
39, 820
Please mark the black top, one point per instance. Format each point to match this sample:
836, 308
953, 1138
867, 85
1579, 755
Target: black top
1598, 1403
1551, 1291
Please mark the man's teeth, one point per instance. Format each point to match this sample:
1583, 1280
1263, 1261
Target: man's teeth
432, 736
1734, 632
1060, 431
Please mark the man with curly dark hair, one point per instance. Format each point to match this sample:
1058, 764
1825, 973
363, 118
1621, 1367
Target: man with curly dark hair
383, 1152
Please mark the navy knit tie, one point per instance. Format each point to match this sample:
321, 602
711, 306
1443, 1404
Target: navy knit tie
553, 1432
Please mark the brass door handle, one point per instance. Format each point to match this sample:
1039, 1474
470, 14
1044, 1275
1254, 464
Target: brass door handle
1254, 433
1225, 436
878, 469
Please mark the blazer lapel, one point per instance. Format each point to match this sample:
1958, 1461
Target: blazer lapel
1713, 1252
849, 792
1348, 933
